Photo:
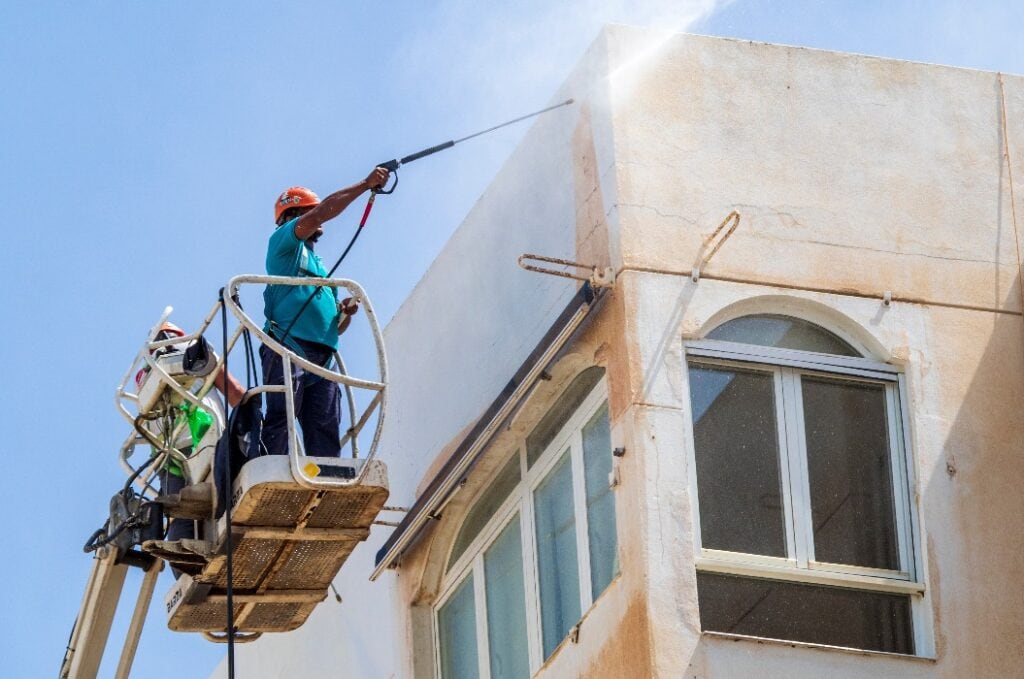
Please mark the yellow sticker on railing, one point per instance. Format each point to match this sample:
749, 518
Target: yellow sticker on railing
311, 469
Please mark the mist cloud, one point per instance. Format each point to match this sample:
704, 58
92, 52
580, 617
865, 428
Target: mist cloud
507, 56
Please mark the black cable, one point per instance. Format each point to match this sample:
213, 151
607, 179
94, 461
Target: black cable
227, 501
68, 651
91, 545
149, 485
251, 376
330, 273
127, 491
248, 360
94, 541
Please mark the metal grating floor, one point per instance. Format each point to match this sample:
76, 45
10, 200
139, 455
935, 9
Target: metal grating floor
201, 617
289, 542
312, 565
277, 617
272, 505
250, 557
357, 509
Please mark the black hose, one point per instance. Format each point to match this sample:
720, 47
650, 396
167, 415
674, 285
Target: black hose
251, 379
94, 542
330, 273
227, 503
91, 545
68, 651
127, 491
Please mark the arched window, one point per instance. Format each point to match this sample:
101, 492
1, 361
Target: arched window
783, 332
536, 548
803, 487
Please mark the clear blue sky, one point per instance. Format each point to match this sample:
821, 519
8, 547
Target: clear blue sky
143, 144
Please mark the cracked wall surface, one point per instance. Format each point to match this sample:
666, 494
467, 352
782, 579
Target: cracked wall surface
849, 172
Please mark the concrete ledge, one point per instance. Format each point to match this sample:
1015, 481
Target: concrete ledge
722, 637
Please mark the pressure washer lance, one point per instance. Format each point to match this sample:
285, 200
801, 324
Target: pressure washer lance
392, 167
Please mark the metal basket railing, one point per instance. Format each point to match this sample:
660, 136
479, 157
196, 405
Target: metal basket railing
127, 395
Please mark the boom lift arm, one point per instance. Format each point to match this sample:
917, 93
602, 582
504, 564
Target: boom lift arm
92, 626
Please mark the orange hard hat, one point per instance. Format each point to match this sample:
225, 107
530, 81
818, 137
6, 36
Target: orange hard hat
296, 196
167, 330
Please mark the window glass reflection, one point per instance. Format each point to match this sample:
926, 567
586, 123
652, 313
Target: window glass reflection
737, 455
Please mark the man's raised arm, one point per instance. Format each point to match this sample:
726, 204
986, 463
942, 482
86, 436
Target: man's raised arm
333, 205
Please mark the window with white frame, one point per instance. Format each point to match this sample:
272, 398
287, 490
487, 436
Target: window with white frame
536, 548
803, 488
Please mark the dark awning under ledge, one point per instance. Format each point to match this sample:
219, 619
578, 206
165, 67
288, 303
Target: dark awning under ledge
465, 456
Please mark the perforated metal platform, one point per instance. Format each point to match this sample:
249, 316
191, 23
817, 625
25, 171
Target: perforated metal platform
289, 542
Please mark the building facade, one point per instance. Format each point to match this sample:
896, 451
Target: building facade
786, 447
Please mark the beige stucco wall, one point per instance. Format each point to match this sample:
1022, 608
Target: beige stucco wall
851, 172
853, 176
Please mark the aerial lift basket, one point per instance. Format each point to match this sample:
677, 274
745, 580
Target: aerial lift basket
295, 518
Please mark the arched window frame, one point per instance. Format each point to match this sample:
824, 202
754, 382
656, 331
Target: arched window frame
520, 505
799, 566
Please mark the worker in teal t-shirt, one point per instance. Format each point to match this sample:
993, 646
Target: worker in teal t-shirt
312, 332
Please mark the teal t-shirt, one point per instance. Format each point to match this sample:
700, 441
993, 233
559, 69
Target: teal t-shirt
289, 256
